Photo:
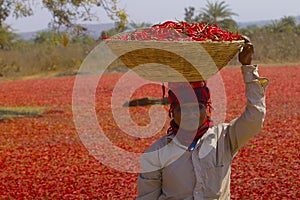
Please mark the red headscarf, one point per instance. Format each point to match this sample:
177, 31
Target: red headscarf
184, 92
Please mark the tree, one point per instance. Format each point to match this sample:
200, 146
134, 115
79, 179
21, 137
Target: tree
14, 7
47, 37
142, 25
109, 33
216, 12
132, 25
6, 37
285, 24
213, 13
250, 30
66, 13
289, 21
189, 15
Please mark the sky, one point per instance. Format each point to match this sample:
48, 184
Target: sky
156, 11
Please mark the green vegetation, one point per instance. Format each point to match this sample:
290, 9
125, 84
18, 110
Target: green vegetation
15, 8
213, 13
62, 52
276, 43
57, 53
65, 14
132, 25
31, 59
14, 112
61, 49
6, 37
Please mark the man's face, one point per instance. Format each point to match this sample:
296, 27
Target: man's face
190, 116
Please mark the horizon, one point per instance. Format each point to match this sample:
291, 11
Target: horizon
256, 22
156, 11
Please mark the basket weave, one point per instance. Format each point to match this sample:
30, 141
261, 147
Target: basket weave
175, 61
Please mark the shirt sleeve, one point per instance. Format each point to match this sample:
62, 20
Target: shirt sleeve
250, 122
149, 185
150, 179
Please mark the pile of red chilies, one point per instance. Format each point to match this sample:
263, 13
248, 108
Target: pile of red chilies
176, 31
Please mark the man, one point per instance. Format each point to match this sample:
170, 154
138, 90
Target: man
193, 161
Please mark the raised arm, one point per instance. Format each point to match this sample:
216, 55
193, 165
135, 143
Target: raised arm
251, 121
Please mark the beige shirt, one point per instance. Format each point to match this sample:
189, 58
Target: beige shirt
172, 172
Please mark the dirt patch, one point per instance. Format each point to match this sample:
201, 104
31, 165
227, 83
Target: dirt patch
15, 112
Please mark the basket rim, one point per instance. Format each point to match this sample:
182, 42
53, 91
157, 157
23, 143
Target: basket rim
130, 51
179, 41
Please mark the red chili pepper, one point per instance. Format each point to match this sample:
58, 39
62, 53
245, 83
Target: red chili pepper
174, 31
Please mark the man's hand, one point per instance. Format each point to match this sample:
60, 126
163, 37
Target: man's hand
246, 55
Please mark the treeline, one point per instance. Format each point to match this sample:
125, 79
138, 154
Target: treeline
58, 51
278, 42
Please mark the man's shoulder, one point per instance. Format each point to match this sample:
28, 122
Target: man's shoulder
160, 143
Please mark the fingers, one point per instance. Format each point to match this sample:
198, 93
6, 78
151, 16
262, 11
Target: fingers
249, 47
246, 38
246, 54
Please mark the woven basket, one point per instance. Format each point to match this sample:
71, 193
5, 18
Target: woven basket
175, 61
